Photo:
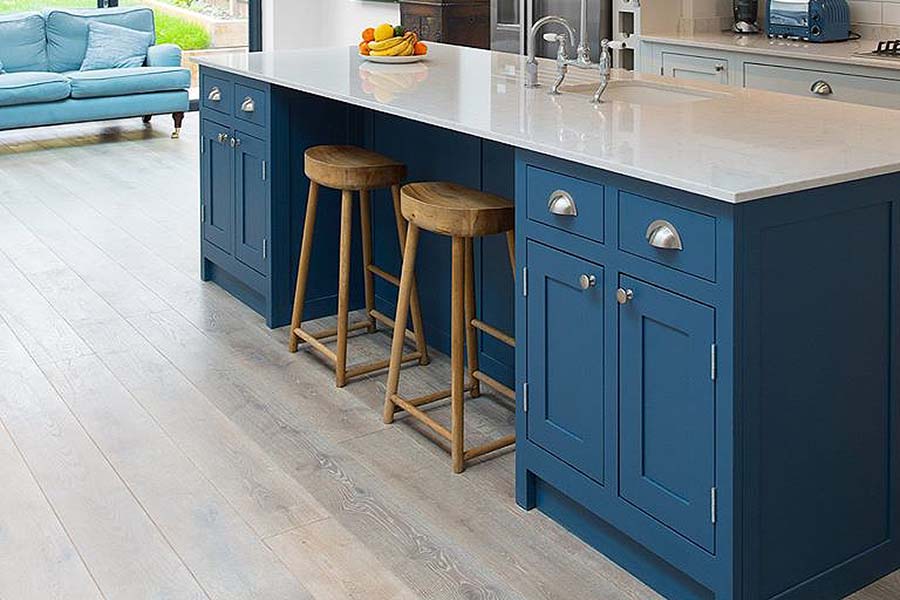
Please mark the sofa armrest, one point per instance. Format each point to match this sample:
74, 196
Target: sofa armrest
164, 55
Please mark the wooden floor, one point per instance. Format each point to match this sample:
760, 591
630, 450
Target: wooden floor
158, 441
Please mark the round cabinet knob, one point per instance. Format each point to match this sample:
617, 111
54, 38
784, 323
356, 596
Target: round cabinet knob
821, 88
587, 281
624, 296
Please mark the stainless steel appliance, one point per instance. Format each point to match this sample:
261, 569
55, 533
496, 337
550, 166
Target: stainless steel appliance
511, 20
745, 16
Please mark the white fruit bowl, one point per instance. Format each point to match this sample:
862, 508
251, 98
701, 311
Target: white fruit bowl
393, 60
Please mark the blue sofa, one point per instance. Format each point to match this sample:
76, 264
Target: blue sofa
41, 84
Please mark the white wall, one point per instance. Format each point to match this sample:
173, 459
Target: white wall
303, 23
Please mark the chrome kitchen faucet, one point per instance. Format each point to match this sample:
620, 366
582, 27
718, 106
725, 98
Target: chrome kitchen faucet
583, 54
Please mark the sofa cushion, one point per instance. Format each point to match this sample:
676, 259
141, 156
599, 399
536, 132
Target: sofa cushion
32, 87
114, 47
67, 32
121, 82
23, 42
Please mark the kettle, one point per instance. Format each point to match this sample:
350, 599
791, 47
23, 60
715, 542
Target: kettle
745, 15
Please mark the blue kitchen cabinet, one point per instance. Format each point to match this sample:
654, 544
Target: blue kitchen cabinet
566, 397
217, 185
251, 202
718, 413
667, 403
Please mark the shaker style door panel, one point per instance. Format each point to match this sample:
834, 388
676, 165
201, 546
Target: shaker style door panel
565, 356
667, 409
251, 188
700, 68
217, 177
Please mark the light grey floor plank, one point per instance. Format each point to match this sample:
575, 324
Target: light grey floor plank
125, 552
37, 559
222, 551
336, 565
268, 499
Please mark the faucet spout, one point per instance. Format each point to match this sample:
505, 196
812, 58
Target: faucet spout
531, 67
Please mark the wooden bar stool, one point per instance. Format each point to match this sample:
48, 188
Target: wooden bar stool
349, 169
464, 214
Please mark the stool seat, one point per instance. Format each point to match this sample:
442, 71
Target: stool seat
351, 168
456, 210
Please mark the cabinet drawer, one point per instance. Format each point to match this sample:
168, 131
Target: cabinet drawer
216, 93
821, 84
703, 68
566, 203
668, 235
250, 105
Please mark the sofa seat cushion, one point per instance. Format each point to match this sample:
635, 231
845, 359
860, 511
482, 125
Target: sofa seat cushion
23, 42
32, 87
123, 82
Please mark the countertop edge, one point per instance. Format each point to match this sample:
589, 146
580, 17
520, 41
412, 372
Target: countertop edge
728, 196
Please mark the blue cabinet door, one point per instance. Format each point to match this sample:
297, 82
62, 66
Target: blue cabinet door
251, 202
565, 358
217, 184
667, 409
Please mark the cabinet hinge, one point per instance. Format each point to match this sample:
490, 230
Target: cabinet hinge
713, 360
202, 145
525, 281
265, 247
525, 397
712, 505
203, 213
662, 71
264, 169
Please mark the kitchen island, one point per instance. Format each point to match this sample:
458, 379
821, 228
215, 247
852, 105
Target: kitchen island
714, 405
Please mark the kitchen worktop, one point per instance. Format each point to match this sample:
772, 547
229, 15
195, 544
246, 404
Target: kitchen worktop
732, 145
849, 53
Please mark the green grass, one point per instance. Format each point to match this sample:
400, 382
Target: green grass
169, 29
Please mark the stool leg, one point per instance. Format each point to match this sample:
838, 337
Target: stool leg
365, 222
343, 315
407, 280
416, 307
457, 367
511, 246
303, 270
471, 333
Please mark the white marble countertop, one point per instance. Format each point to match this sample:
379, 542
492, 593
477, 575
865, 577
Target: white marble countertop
734, 145
847, 53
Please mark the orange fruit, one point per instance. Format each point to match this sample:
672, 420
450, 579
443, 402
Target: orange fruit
421, 49
368, 35
364, 48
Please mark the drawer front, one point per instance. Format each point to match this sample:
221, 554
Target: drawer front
668, 235
566, 203
702, 68
250, 105
216, 93
872, 91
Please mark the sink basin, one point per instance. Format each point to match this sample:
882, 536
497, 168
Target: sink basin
643, 92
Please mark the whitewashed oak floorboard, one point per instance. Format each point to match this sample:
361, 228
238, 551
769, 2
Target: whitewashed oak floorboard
335, 564
98, 228
37, 558
224, 554
269, 500
120, 544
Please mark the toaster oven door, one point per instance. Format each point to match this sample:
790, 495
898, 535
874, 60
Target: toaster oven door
790, 13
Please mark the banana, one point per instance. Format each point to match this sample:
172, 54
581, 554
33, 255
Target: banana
386, 44
400, 49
